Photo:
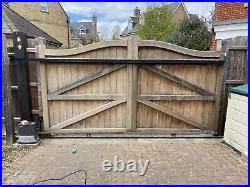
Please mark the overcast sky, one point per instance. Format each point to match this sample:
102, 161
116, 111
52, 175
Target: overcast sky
110, 14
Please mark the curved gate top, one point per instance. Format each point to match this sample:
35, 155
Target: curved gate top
130, 85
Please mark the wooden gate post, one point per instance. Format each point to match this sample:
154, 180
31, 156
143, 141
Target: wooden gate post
7, 95
132, 84
42, 83
40, 53
220, 92
21, 62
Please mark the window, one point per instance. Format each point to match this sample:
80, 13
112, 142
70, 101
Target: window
82, 31
130, 25
44, 7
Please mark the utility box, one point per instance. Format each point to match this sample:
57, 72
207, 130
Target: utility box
236, 127
27, 133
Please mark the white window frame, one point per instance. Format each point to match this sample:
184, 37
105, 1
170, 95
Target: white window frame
130, 25
44, 7
84, 29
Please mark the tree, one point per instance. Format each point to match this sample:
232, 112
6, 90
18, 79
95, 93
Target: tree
116, 32
101, 37
81, 41
157, 23
192, 33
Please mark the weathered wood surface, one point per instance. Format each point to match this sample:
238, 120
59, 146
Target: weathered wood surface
112, 98
40, 53
182, 82
132, 83
236, 61
173, 114
87, 114
80, 93
177, 97
187, 82
44, 96
86, 80
86, 49
8, 127
174, 49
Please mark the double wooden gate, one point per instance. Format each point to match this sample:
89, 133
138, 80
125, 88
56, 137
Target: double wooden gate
130, 85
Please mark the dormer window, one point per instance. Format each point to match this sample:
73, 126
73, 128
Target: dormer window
130, 25
83, 30
44, 7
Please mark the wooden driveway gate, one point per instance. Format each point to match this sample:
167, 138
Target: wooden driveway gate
130, 85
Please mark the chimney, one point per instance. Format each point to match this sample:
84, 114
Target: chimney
94, 31
137, 12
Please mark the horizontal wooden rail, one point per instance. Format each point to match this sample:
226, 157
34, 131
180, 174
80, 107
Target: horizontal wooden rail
127, 61
29, 50
234, 81
179, 49
86, 48
89, 97
177, 97
173, 131
19, 119
238, 48
31, 84
87, 131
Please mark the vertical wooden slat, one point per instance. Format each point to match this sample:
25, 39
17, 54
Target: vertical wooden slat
7, 96
245, 71
220, 94
43, 80
40, 53
132, 84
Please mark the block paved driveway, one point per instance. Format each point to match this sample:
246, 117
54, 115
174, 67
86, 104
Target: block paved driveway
172, 161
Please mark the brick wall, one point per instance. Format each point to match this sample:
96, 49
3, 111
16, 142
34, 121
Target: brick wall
230, 11
213, 42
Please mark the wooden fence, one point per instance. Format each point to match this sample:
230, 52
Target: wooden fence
236, 62
130, 85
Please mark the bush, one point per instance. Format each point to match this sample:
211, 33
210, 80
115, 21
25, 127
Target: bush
157, 23
192, 33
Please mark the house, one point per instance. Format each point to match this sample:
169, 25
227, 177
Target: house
178, 12
230, 20
13, 22
82, 33
133, 23
47, 16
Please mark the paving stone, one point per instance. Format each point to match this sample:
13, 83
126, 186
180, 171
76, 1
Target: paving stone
172, 161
